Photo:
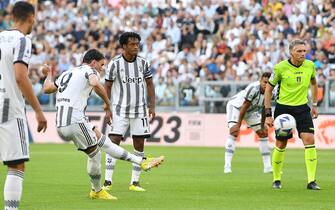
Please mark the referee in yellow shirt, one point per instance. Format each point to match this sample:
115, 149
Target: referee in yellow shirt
294, 76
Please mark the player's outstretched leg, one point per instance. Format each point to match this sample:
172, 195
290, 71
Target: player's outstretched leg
118, 152
229, 153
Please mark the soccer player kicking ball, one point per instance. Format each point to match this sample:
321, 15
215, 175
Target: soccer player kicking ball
295, 75
73, 88
248, 105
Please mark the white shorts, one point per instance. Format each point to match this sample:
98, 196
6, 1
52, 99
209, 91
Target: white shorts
253, 119
139, 127
81, 134
14, 141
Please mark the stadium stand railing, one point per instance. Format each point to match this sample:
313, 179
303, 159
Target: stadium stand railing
212, 97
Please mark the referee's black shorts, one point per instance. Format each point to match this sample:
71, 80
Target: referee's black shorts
302, 116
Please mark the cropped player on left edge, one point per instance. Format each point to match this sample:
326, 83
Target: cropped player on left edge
15, 87
73, 88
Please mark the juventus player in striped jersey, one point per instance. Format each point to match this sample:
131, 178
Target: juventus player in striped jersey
73, 88
126, 77
248, 105
15, 85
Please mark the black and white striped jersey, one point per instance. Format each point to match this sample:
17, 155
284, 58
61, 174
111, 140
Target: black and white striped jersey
129, 87
73, 90
251, 93
15, 47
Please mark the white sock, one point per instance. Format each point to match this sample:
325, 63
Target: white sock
94, 169
116, 151
135, 175
230, 149
110, 165
13, 189
265, 152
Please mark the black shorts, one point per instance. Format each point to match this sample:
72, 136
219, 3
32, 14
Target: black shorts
302, 116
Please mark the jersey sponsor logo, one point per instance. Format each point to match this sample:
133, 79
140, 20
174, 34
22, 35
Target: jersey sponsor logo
132, 80
2, 90
63, 100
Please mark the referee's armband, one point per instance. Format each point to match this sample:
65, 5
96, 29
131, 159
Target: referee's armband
268, 112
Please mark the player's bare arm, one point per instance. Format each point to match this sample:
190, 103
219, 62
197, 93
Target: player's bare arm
108, 87
151, 94
48, 85
24, 84
314, 90
109, 115
99, 89
267, 105
236, 128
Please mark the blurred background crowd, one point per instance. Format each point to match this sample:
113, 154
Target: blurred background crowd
186, 41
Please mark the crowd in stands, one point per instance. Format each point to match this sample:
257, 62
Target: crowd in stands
186, 41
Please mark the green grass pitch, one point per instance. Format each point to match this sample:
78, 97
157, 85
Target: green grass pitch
191, 178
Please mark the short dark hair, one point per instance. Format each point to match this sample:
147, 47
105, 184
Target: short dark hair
22, 10
124, 38
266, 74
294, 43
91, 55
